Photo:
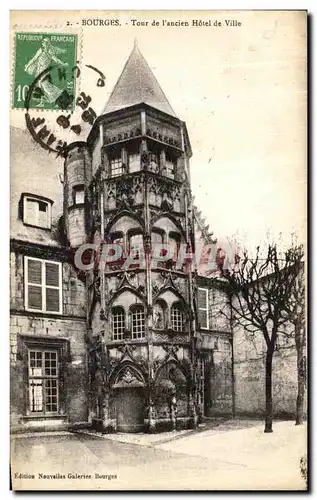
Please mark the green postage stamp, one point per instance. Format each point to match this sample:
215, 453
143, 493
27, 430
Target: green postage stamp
44, 71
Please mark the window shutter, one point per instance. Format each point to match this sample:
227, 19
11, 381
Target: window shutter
36, 212
52, 296
52, 299
52, 274
34, 289
43, 215
202, 299
35, 297
31, 212
35, 271
43, 285
202, 316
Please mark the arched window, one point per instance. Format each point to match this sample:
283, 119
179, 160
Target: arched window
174, 241
116, 238
118, 323
159, 315
137, 322
135, 245
177, 317
157, 238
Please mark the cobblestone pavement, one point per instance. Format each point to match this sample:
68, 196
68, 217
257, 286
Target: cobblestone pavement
223, 456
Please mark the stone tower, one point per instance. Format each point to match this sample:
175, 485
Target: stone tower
133, 177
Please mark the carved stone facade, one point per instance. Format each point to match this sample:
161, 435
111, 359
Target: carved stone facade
118, 346
144, 342
138, 342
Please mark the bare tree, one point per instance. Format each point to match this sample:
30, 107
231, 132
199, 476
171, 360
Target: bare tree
295, 310
260, 292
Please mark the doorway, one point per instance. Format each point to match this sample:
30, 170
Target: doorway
130, 407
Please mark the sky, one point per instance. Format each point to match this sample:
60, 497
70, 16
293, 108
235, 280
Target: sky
241, 91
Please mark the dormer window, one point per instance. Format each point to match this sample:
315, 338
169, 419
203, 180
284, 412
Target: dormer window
37, 211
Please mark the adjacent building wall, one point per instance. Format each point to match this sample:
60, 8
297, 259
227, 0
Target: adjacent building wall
249, 374
67, 331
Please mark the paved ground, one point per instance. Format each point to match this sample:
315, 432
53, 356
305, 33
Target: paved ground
236, 455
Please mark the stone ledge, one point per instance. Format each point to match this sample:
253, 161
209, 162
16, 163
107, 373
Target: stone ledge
39, 424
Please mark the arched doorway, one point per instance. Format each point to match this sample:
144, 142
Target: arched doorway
171, 381
130, 400
130, 407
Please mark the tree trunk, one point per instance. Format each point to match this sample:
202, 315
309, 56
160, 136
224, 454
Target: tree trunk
268, 391
301, 382
301, 375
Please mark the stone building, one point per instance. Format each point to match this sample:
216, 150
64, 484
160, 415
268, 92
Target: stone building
131, 180
118, 347
48, 378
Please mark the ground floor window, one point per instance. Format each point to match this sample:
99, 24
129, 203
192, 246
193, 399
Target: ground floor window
43, 381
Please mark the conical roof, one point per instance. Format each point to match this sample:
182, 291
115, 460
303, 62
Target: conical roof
137, 84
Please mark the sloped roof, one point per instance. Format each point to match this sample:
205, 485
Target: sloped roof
137, 84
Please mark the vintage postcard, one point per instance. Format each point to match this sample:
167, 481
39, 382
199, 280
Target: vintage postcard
158, 250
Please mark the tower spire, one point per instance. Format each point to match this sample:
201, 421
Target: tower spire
137, 84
